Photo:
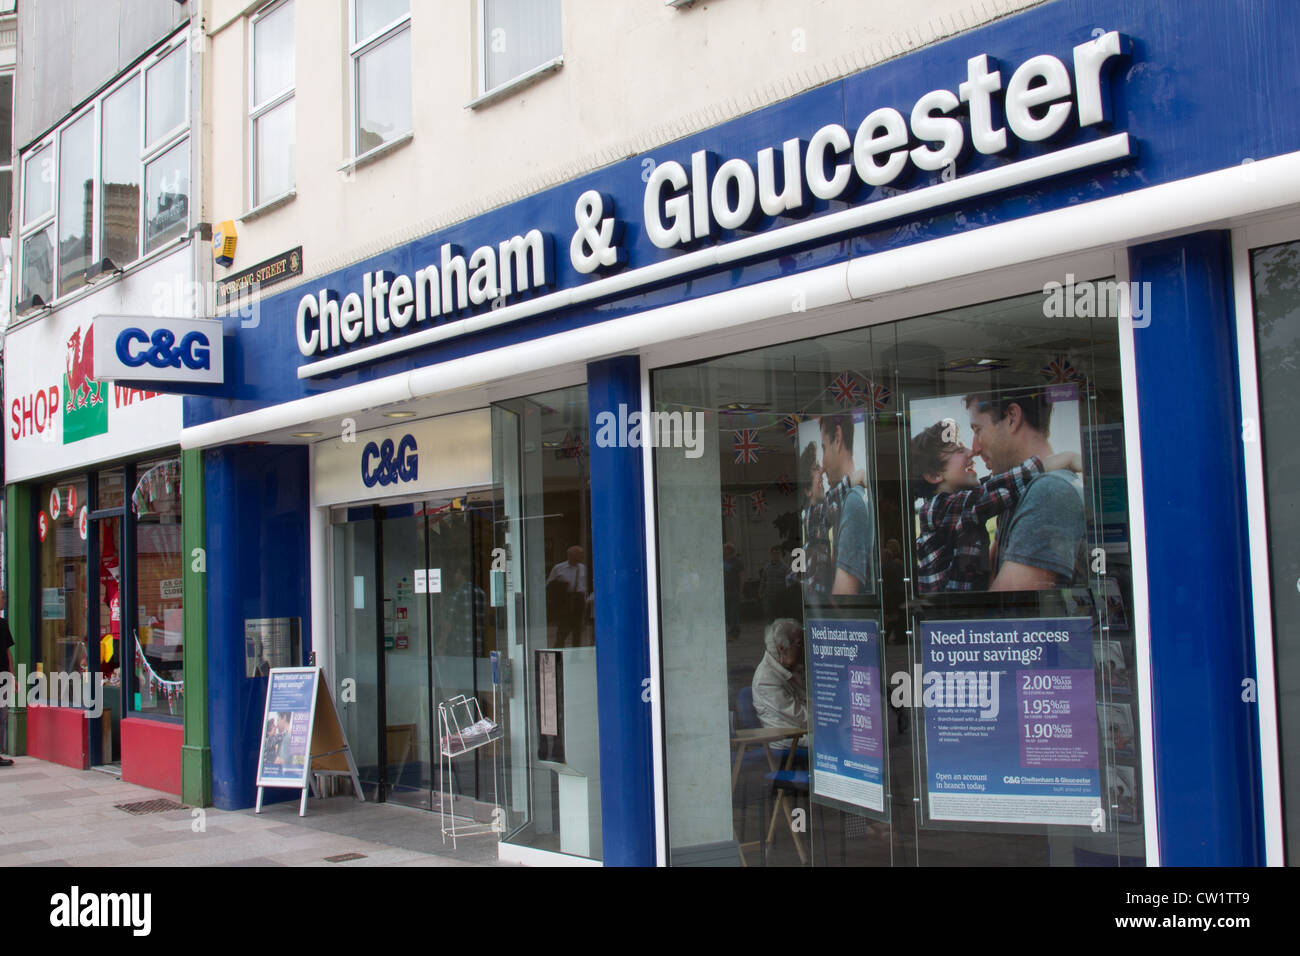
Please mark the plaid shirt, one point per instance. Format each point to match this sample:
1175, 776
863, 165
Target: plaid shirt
952, 553
820, 523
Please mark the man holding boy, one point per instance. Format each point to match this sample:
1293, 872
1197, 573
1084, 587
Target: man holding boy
1040, 544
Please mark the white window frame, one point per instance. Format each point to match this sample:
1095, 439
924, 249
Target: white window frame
275, 100
148, 152
1263, 232
483, 95
25, 230
356, 50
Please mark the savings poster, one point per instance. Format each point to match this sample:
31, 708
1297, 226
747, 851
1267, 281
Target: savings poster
286, 730
848, 755
1010, 721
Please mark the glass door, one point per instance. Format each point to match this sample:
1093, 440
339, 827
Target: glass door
411, 630
406, 657
356, 624
540, 590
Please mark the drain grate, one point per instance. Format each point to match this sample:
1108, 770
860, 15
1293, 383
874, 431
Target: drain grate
345, 857
149, 806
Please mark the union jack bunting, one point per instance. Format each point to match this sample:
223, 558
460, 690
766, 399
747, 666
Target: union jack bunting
759, 501
745, 443
1059, 371
791, 423
846, 390
880, 396
728, 504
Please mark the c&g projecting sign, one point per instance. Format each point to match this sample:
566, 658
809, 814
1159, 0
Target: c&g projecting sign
146, 348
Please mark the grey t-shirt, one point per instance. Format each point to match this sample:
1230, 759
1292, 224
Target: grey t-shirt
1047, 528
854, 538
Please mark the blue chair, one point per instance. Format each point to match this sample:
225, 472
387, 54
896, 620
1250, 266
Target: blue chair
745, 718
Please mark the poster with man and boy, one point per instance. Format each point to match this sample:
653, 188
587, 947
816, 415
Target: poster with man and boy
996, 478
839, 533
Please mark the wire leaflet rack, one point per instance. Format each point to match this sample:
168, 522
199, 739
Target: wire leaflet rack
463, 729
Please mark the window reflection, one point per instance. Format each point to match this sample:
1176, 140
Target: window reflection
121, 174
167, 187
76, 201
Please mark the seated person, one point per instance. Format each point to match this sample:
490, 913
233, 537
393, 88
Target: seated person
779, 695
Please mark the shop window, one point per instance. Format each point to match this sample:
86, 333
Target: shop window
61, 537
543, 589
516, 38
1276, 284
159, 637
380, 52
271, 107
896, 600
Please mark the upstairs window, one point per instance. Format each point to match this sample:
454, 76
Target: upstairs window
112, 182
380, 52
271, 106
6, 150
37, 269
517, 38
76, 201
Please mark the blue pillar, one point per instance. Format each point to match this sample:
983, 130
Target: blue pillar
622, 624
258, 566
1202, 643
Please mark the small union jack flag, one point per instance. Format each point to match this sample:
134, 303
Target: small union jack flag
759, 501
745, 443
785, 485
846, 390
728, 504
880, 396
1059, 371
791, 423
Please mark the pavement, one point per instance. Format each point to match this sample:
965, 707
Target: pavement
51, 815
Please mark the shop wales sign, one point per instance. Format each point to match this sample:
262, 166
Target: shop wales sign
717, 211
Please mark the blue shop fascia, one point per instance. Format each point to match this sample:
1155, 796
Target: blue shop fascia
424, 399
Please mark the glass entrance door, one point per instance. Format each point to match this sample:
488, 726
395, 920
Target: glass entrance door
411, 630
